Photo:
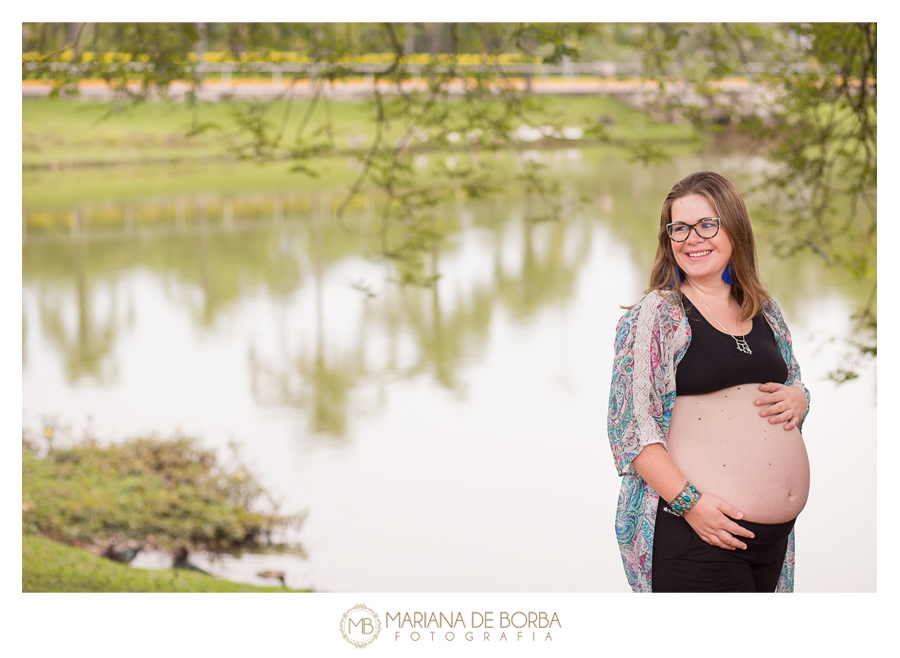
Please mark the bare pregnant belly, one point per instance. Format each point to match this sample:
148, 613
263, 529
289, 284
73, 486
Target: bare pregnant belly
723, 447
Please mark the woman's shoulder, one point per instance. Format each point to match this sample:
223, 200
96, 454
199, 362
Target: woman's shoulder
659, 314
772, 309
776, 319
660, 311
659, 302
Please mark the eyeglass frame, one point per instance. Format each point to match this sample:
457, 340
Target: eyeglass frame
694, 228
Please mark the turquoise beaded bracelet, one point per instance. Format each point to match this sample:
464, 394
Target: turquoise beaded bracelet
685, 501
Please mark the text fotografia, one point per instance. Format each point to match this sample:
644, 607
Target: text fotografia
482, 626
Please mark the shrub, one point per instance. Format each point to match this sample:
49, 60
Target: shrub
161, 493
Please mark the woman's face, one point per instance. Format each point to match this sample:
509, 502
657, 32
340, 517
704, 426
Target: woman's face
702, 260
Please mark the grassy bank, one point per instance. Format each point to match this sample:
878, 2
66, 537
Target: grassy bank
162, 494
67, 133
48, 566
45, 189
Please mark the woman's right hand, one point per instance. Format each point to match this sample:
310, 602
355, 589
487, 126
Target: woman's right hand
708, 519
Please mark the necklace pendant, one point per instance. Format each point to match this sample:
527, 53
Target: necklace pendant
743, 346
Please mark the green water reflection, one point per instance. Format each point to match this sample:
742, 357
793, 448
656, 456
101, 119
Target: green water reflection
211, 252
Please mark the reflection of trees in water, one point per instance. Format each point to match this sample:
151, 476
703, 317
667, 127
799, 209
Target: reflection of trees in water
445, 334
88, 352
442, 340
319, 383
208, 265
223, 266
209, 268
547, 275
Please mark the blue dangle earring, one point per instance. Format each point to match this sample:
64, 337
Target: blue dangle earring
680, 277
726, 275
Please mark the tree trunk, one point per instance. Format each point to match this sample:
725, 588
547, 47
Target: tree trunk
409, 44
437, 30
72, 34
200, 49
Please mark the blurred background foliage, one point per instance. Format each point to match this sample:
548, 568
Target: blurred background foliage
814, 118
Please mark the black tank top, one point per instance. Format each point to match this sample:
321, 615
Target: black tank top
713, 361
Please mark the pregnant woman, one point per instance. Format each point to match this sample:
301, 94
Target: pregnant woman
705, 410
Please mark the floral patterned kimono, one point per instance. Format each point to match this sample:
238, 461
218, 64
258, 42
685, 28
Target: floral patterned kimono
651, 338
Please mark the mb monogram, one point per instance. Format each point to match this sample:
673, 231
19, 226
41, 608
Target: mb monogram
360, 626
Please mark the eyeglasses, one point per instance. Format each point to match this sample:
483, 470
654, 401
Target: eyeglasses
706, 228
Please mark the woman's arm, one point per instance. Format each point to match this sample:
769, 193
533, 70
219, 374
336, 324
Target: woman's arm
790, 401
636, 405
708, 517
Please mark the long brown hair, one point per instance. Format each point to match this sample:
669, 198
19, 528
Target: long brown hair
729, 206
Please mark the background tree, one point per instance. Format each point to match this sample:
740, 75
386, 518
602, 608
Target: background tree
815, 124
814, 119
465, 109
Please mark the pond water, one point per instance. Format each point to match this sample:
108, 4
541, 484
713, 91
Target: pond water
441, 440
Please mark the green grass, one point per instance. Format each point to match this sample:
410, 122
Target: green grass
48, 566
72, 155
43, 189
66, 132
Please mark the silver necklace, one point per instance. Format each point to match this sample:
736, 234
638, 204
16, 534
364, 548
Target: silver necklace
741, 344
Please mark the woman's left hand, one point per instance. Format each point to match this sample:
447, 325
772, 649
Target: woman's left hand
788, 404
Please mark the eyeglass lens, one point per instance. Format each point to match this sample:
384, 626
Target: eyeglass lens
706, 229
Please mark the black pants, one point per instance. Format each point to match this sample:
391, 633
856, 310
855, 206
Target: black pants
682, 562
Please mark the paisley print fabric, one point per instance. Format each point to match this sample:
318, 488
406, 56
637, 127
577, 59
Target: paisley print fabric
651, 338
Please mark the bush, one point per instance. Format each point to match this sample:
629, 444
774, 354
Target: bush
161, 493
